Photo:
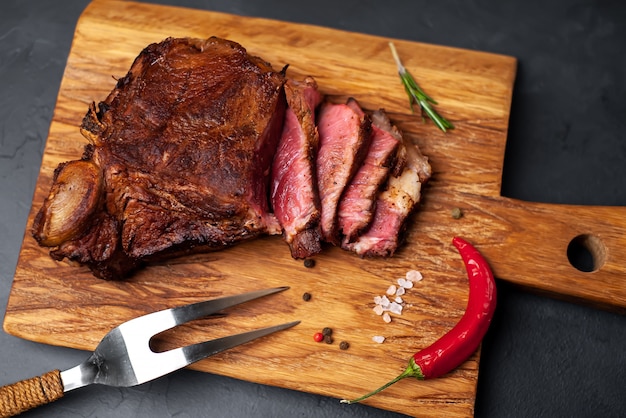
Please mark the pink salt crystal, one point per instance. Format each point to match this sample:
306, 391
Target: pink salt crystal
395, 308
414, 276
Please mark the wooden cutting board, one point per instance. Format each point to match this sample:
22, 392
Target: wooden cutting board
526, 243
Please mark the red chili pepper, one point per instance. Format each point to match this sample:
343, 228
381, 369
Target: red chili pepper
454, 347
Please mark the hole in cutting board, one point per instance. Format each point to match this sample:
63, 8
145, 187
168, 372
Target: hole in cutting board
586, 253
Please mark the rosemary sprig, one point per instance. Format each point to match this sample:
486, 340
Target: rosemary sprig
418, 96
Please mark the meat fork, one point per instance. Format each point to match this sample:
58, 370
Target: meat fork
124, 358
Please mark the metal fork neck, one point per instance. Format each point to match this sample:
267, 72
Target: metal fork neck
79, 376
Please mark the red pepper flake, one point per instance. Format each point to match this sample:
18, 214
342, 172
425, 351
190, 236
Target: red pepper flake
318, 337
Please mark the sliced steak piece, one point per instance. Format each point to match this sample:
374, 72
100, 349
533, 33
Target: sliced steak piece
345, 134
294, 196
393, 207
184, 144
356, 206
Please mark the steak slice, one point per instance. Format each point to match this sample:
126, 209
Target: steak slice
184, 145
394, 205
294, 196
345, 134
356, 207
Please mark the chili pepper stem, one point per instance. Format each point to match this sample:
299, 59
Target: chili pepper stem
412, 370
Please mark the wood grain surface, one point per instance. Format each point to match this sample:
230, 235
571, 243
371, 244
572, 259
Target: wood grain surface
526, 243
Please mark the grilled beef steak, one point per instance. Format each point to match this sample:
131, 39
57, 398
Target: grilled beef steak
180, 157
344, 139
201, 146
394, 205
294, 196
356, 207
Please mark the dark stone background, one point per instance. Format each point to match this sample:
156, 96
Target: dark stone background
541, 357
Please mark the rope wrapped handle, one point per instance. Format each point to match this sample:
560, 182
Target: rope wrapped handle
30, 393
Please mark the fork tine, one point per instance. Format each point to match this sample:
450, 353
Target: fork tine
178, 358
197, 310
205, 349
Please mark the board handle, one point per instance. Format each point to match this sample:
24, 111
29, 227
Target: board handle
30, 393
539, 246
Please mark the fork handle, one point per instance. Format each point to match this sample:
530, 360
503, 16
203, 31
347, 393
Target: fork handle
30, 393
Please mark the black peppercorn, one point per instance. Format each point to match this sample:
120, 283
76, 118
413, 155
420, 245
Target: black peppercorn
344, 345
309, 263
306, 297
